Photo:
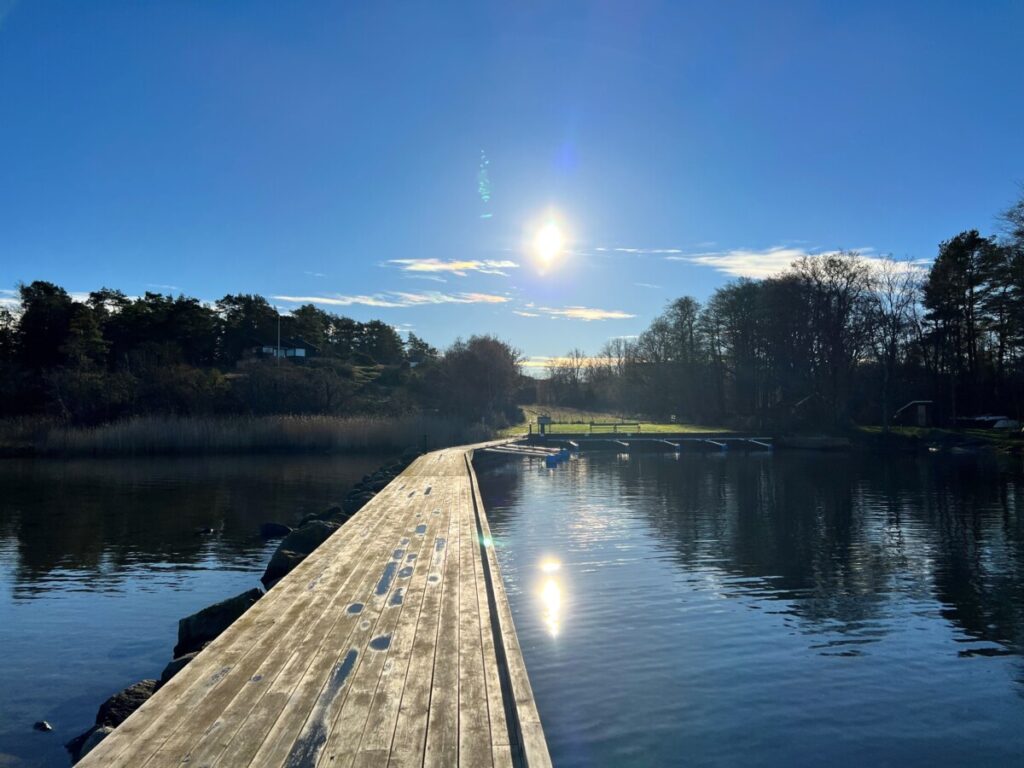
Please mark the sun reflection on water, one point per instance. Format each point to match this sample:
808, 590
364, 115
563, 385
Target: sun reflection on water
551, 596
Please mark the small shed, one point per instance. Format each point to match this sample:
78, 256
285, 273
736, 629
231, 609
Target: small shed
916, 413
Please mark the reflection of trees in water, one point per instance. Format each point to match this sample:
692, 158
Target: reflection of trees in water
834, 535
103, 516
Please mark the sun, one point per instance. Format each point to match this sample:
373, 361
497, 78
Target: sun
548, 243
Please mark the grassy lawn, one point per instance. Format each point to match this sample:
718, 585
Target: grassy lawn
577, 421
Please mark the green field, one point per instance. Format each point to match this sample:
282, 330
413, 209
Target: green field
574, 421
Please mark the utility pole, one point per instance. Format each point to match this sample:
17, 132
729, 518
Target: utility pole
278, 335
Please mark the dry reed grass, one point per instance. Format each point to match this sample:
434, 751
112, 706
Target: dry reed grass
153, 435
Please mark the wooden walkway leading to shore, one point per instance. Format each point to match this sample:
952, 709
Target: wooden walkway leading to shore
392, 644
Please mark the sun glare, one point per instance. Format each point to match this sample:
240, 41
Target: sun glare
548, 243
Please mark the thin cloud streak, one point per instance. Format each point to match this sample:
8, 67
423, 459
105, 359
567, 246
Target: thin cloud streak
587, 314
460, 267
759, 264
640, 250
396, 299
431, 278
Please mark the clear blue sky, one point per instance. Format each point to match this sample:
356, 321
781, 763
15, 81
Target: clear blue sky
333, 150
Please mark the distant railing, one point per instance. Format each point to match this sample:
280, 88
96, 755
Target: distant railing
594, 426
614, 426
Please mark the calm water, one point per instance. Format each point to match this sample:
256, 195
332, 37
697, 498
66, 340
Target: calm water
99, 560
769, 610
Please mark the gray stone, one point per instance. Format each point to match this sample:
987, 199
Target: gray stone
354, 503
118, 707
174, 666
96, 735
308, 537
294, 548
281, 564
208, 623
327, 516
42, 725
274, 530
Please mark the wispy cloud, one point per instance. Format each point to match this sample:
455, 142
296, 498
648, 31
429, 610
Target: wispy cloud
749, 262
524, 313
162, 286
646, 285
313, 274
585, 313
640, 250
396, 299
456, 267
431, 278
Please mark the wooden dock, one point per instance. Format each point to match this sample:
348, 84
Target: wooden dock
392, 644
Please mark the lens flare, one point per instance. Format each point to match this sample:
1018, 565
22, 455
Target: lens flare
548, 243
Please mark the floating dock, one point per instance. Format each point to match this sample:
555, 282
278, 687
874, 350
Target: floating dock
392, 644
624, 442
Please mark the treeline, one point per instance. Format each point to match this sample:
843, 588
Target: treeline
835, 339
111, 356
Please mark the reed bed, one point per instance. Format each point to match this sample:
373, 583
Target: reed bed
157, 435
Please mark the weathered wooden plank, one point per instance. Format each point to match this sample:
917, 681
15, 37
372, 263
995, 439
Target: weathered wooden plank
250, 719
426, 672
226, 660
474, 722
442, 742
395, 640
277, 656
299, 734
420, 603
411, 727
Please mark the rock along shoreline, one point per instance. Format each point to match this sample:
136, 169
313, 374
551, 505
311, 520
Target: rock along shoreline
197, 631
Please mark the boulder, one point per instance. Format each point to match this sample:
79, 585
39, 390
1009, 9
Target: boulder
82, 745
174, 666
281, 564
327, 516
353, 503
118, 707
379, 485
42, 725
208, 623
294, 548
308, 537
274, 530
